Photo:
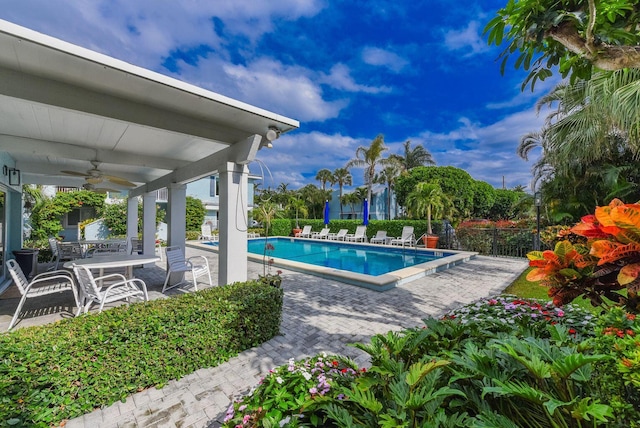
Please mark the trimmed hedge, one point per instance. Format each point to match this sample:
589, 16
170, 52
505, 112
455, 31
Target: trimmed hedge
66, 369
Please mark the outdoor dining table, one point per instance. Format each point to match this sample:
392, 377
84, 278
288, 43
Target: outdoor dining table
116, 260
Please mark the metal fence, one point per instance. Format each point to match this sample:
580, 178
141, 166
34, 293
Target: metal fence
495, 242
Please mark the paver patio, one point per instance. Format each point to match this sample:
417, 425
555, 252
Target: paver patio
319, 315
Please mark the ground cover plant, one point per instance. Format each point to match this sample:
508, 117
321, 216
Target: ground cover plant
66, 369
502, 362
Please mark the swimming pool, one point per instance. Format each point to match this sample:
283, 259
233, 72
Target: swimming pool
378, 267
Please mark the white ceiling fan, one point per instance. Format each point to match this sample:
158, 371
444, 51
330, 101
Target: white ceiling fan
92, 188
95, 176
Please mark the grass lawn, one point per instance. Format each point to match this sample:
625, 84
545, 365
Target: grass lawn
533, 290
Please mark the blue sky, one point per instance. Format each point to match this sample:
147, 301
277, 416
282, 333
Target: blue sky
347, 70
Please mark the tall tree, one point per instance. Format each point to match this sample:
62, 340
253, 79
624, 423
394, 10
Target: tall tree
418, 156
388, 177
570, 36
369, 158
342, 177
324, 176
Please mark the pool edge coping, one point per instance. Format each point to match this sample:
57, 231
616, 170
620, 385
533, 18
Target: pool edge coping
377, 283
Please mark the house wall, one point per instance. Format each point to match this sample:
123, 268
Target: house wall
11, 225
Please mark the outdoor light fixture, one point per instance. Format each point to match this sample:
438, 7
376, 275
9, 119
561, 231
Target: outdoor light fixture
273, 133
537, 201
14, 177
5, 170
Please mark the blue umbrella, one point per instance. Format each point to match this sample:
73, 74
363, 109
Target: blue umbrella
326, 213
365, 213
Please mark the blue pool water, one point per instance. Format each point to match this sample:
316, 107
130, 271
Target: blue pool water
365, 259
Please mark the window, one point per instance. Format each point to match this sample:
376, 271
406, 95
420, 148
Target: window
213, 187
78, 215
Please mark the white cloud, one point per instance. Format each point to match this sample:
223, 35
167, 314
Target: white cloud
340, 78
296, 157
487, 152
385, 58
468, 39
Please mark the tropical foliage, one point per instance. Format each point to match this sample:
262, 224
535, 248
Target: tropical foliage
606, 261
573, 37
369, 158
427, 200
501, 362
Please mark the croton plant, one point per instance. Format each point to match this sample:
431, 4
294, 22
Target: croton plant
604, 262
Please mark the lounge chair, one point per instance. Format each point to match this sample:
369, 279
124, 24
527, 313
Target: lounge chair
380, 238
342, 233
407, 238
41, 285
306, 232
359, 236
323, 234
205, 233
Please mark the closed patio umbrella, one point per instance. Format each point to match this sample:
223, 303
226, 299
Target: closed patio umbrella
326, 213
365, 213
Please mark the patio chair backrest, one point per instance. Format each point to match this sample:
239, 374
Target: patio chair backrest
342, 233
86, 282
136, 246
69, 250
407, 232
360, 231
17, 275
175, 256
53, 246
324, 231
381, 234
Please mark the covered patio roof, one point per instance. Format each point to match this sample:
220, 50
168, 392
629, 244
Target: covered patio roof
63, 106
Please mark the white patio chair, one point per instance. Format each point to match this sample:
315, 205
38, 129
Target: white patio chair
196, 265
306, 232
41, 285
359, 236
53, 246
407, 238
342, 233
323, 234
379, 238
116, 287
69, 251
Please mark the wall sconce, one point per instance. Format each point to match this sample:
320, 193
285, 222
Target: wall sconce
5, 170
14, 177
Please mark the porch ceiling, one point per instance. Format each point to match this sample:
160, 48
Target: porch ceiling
62, 106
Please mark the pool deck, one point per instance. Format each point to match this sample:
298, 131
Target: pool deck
319, 315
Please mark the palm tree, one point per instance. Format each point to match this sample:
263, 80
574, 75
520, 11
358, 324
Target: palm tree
299, 206
369, 158
342, 177
388, 177
418, 156
324, 176
428, 199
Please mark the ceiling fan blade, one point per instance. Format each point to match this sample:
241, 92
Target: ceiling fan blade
118, 180
105, 190
76, 173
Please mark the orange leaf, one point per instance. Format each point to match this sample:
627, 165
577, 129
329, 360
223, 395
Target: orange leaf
536, 275
629, 273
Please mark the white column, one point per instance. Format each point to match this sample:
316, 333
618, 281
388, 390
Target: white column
232, 258
132, 220
149, 223
176, 222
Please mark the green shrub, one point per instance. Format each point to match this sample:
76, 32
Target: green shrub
63, 370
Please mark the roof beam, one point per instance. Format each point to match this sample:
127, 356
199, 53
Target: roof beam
242, 152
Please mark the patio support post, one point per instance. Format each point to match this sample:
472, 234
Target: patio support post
149, 223
176, 225
132, 220
233, 223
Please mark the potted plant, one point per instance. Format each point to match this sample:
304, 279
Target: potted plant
428, 199
299, 206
